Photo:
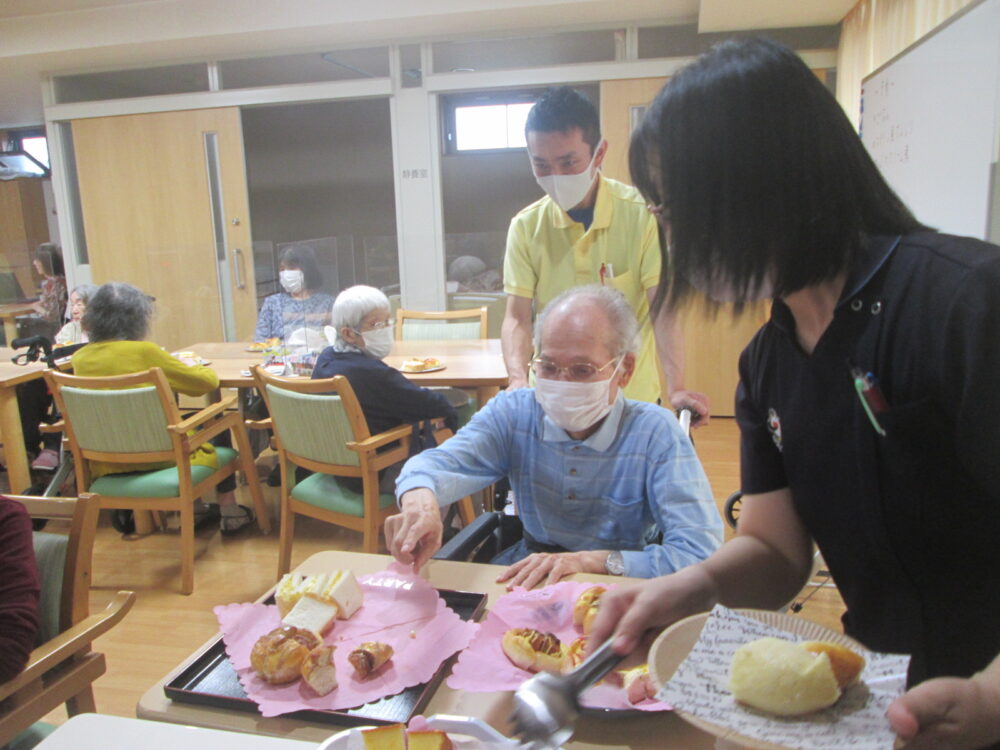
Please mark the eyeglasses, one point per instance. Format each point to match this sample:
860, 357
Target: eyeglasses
378, 326
578, 371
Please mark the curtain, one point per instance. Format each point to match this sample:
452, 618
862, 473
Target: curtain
874, 32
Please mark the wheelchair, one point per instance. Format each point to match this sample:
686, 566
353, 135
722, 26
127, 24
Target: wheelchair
39, 347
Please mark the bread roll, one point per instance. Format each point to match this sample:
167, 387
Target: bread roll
369, 657
318, 670
585, 609
279, 655
419, 364
638, 684
533, 650
847, 665
782, 678
573, 654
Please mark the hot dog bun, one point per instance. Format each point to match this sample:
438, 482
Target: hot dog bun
585, 609
533, 650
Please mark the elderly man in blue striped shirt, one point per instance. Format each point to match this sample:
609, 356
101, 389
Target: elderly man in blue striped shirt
603, 484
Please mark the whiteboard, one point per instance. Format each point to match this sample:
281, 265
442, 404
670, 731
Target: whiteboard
930, 119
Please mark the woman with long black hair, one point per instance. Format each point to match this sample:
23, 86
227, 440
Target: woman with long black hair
868, 405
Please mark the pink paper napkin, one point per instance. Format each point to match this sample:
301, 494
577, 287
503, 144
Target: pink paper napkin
399, 608
483, 667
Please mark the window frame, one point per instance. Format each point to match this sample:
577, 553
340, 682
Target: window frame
492, 97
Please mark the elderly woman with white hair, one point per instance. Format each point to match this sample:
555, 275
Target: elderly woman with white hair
364, 337
72, 332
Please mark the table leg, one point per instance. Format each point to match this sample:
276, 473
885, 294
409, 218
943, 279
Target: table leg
15, 455
485, 393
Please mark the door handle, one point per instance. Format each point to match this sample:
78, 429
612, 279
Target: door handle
238, 266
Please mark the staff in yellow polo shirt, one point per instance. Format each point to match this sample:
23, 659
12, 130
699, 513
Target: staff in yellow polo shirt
588, 228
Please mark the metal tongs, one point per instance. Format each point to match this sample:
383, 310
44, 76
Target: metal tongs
547, 705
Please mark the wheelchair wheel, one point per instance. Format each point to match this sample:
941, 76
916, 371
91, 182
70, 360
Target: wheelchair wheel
732, 510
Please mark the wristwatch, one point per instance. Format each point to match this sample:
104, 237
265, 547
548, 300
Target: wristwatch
615, 564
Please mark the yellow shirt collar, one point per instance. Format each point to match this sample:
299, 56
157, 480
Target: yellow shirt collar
602, 209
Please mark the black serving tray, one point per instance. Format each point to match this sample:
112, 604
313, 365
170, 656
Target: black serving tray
210, 680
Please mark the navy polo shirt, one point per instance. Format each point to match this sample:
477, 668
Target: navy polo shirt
908, 522
386, 397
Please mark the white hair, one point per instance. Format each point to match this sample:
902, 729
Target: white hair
624, 326
465, 267
84, 292
353, 304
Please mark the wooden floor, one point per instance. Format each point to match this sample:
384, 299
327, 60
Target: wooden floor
164, 627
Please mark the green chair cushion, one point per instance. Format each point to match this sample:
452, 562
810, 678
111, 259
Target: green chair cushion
158, 483
50, 554
325, 491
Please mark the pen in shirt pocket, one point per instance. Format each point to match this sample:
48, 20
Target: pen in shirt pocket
607, 272
872, 399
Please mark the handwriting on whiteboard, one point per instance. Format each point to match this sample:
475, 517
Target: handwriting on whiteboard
888, 140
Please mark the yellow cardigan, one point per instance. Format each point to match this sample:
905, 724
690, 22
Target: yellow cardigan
107, 358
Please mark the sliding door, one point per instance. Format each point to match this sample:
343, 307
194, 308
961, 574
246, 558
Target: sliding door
164, 203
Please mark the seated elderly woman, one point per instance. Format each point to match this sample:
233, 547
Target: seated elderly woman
33, 398
117, 320
297, 314
72, 332
364, 337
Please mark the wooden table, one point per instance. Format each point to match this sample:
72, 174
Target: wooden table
476, 363
9, 312
100, 732
648, 730
15, 455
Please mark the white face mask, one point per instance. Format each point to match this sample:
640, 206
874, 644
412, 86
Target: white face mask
575, 406
378, 342
292, 280
569, 190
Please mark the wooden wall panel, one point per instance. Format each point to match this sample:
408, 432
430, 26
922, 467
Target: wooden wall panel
23, 227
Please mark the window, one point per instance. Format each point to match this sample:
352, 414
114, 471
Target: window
486, 122
37, 147
535, 51
25, 153
489, 126
125, 84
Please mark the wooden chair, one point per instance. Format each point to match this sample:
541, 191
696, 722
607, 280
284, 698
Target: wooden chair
319, 426
494, 302
453, 324
134, 419
63, 668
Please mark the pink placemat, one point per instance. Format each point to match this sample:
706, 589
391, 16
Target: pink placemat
483, 667
399, 608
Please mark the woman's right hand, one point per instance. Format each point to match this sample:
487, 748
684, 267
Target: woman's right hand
627, 612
